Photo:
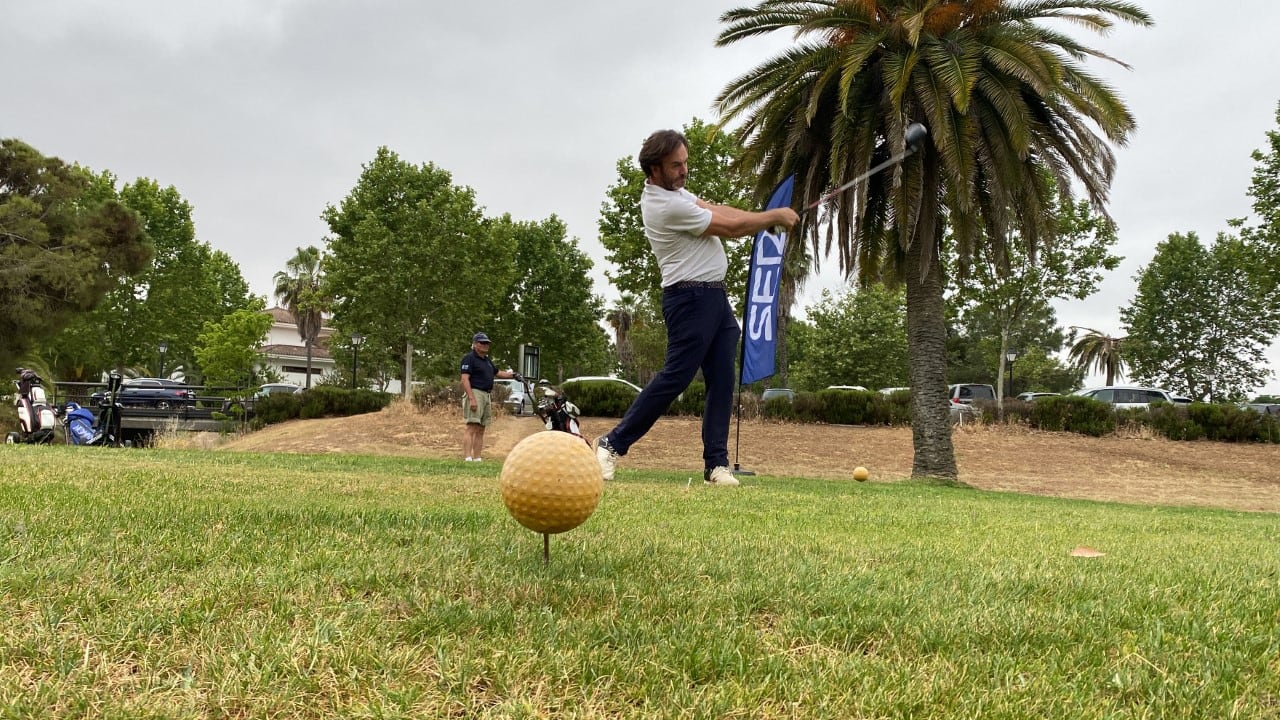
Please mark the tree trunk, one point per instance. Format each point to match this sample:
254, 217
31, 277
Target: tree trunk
935, 455
927, 343
786, 298
308, 344
407, 390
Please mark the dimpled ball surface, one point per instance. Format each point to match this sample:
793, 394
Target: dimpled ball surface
551, 482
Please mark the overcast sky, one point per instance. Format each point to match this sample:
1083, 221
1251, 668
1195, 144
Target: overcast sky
261, 112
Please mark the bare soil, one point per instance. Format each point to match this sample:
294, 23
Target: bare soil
1136, 469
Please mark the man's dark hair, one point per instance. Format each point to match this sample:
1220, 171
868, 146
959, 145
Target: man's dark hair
658, 146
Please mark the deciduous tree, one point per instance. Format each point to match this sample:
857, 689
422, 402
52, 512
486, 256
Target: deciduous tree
858, 337
227, 348
1201, 319
549, 302
1012, 279
186, 284
412, 265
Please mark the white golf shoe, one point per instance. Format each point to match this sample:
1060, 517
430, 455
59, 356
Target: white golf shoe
607, 458
720, 477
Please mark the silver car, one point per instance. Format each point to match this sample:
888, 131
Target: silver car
1123, 397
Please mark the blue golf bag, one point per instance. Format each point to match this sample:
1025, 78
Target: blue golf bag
80, 429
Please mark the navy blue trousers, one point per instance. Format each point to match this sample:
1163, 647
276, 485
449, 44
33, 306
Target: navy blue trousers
702, 333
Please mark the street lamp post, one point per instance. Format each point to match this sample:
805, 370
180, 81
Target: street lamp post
356, 341
164, 348
1011, 355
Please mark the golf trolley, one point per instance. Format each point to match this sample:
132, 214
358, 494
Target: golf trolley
36, 419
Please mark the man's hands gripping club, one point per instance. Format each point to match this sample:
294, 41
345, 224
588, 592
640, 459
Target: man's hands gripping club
730, 222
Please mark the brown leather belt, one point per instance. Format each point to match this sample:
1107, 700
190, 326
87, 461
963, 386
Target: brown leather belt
685, 284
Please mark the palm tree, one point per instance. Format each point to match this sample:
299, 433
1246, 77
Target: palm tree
621, 317
1098, 351
1004, 99
300, 288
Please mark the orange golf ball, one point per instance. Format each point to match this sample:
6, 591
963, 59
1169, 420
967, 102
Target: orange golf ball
861, 474
551, 482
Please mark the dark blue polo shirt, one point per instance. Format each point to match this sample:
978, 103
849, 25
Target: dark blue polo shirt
481, 370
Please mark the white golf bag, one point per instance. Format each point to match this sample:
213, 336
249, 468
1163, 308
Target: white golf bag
35, 418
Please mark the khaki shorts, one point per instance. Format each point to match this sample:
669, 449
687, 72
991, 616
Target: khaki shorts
483, 412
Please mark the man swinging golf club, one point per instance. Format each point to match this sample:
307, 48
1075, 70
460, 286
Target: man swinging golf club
702, 330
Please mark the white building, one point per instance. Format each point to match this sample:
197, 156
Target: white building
284, 352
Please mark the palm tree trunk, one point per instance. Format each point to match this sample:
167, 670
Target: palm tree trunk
308, 364
927, 344
935, 456
786, 297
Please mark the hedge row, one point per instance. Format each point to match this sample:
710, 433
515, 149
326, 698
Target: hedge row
1066, 413
1197, 421
319, 401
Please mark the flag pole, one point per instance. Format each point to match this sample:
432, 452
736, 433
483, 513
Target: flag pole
742, 357
765, 283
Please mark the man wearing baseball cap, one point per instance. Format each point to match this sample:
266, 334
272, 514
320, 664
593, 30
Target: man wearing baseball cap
478, 372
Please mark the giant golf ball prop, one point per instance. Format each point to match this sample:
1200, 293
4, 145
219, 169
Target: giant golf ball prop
551, 482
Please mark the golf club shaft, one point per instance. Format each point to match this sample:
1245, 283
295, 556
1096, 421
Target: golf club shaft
895, 159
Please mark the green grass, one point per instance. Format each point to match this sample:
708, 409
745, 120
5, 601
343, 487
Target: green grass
141, 584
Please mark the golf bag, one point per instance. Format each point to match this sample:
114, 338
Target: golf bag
80, 425
558, 413
84, 429
36, 419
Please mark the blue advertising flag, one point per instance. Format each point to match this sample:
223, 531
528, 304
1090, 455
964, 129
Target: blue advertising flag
760, 313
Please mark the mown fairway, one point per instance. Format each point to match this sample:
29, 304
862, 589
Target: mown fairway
197, 584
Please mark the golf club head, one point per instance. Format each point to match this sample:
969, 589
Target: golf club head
916, 133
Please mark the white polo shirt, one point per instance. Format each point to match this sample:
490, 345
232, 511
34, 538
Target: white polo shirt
674, 224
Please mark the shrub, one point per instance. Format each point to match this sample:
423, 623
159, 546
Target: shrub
1172, 422
807, 407
692, 401
854, 407
437, 392
599, 398
898, 405
1073, 413
319, 401
779, 408
1017, 412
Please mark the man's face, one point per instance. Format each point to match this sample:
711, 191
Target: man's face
671, 174
481, 348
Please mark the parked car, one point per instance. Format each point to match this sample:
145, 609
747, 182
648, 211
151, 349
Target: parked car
968, 392
159, 393
962, 413
277, 389
1127, 396
892, 390
1263, 408
517, 402
1032, 396
770, 393
846, 387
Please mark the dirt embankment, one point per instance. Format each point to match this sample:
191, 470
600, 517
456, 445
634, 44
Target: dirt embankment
1135, 470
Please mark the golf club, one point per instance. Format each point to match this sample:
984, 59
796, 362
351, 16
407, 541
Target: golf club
915, 136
